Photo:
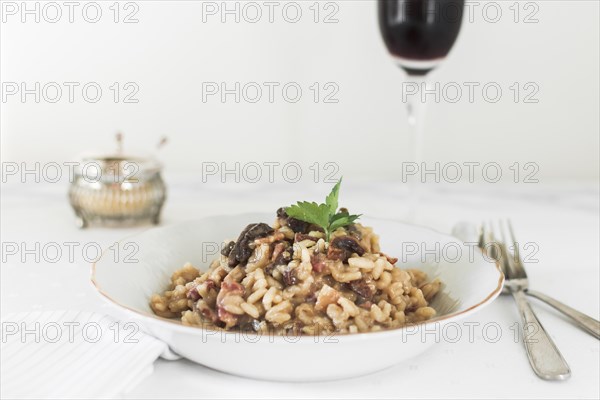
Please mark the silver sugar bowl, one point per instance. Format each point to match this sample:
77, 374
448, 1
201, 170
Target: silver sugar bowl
117, 191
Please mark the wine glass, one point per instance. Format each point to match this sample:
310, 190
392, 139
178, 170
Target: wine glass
419, 35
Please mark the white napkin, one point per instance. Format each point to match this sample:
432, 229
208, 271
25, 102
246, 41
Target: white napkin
73, 354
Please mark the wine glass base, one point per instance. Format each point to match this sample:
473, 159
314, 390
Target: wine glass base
417, 67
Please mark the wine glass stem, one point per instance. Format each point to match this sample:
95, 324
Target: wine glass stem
416, 107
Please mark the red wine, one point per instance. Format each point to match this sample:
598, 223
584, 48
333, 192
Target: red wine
420, 33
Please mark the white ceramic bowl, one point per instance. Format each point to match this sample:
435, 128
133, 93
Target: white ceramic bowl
470, 283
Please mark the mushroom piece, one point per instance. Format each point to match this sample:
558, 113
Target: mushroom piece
342, 247
227, 249
294, 224
241, 251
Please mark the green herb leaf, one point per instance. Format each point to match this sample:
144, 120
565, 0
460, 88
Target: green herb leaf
342, 221
313, 213
339, 215
332, 199
323, 215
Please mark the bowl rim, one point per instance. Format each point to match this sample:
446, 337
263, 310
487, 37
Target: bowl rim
177, 325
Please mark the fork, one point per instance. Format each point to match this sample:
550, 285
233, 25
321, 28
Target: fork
544, 356
583, 321
587, 323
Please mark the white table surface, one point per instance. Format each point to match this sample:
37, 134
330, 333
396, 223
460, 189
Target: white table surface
562, 219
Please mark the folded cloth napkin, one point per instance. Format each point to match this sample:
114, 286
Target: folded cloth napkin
73, 354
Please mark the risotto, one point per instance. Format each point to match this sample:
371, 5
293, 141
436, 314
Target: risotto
296, 278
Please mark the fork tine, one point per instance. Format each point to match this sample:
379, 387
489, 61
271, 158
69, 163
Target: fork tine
495, 250
498, 247
517, 269
488, 239
481, 239
517, 257
507, 262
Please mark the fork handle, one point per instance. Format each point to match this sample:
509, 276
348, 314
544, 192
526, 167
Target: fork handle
585, 322
544, 357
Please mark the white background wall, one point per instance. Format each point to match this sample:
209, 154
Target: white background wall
171, 51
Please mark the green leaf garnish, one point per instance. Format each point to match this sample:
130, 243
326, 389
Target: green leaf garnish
324, 215
343, 221
313, 213
332, 199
